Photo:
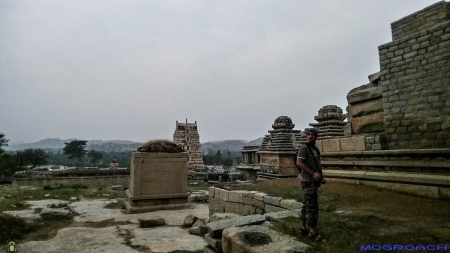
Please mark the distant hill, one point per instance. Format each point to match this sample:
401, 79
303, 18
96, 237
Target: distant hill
56, 143
125, 145
231, 145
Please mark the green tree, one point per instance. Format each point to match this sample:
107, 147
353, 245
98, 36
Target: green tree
75, 149
94, 156
218, 157
33, 157
3, 142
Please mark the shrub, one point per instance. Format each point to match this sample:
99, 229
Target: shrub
159, 145
47, 187
12, 227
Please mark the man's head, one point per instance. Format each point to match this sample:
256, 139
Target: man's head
311, 135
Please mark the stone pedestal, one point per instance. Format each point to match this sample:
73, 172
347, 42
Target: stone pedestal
157, 181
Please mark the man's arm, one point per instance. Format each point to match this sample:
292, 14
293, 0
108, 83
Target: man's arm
316, 176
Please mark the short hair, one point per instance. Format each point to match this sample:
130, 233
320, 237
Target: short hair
312, 130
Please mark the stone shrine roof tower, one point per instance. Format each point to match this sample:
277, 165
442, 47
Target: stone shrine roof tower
283, 137
330, 122
186, 136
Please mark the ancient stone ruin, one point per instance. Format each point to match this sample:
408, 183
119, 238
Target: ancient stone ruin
158, 178
186, 136
397, 133
277, 149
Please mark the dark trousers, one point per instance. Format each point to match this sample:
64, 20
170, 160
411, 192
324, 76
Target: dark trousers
310, 209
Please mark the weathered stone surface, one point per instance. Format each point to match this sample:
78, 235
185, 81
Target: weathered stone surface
234, 242
290, 204
361, 109
216, 228
283, 214
189, 220
247, 209
151, 222
364, 94
368, 124
200, 230
216, 205
222, 216
274, 201
235, 196
198, 223
259, 196
211, 191
270, 209
354, 143
374, 78
221, 194
348, 129
257, 203
330, 145
118, 187
231, 207
53, 213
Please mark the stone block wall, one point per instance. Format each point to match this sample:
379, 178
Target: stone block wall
247, 202
362, 142
415, 80
420, 20
365, 109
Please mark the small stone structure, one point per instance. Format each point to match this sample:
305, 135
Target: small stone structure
186, 136
399, 123
250, 159
330, 122
277, 149
248, 202
157, 181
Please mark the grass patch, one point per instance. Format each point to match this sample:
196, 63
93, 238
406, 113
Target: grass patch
367, 215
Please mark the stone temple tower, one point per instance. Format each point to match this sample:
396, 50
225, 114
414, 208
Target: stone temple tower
187, 137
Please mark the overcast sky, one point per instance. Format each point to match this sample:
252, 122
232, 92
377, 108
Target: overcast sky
129, 69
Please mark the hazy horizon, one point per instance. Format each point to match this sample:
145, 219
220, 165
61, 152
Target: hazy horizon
128, 70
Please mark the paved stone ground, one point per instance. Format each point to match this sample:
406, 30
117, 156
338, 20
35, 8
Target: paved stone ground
117, 237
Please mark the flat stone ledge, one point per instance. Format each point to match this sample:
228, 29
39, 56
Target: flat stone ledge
143, 209
215, 228
158, 196
389, 176
399, 152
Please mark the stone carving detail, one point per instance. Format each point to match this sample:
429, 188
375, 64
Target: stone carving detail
283, 122
283, 137
330, 122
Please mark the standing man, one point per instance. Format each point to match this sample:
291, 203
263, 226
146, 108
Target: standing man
308, 160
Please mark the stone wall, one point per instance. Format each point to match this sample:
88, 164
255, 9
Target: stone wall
420, 20
415, 80
247, 202
92, 181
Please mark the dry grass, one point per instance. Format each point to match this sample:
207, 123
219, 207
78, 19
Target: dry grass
368, 215
160, 145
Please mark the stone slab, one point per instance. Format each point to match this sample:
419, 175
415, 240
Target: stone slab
331, 145
259, 196
290, 204
354, 143
283, 214
143, 209
370, 106
364, 94
271, 209
216, 228
111, 239
368, 123
221, 194
233, 241
231, 207
235, 196
274, 201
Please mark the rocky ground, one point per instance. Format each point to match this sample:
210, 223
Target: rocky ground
99, 229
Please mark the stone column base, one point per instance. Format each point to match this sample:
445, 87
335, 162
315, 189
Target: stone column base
149, 203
